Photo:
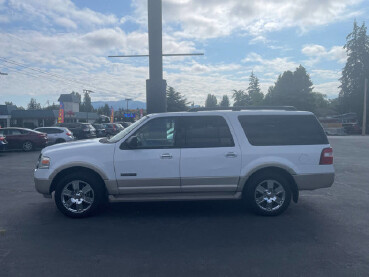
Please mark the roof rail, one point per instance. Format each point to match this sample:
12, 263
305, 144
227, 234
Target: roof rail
283, 108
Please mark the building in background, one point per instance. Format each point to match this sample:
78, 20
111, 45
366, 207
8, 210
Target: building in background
5, 115
71, 110
34, 118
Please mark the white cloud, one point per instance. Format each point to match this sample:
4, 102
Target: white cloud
329, 88
318, 52
202, 19
325, 74
62, 12
273, 67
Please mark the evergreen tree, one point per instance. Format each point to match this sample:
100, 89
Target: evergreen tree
356, 69
86, 105
211, 101
33, 105
254, 91
292, 89
175, 101
225, 101
241, 98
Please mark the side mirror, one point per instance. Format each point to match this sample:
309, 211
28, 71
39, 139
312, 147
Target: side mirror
132, 142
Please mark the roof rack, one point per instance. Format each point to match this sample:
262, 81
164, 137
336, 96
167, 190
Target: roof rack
283, 108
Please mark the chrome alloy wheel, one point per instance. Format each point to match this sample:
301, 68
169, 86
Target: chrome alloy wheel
77, 196
269, 195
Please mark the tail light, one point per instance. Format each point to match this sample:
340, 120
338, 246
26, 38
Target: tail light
327, 156
114, 128
69, 134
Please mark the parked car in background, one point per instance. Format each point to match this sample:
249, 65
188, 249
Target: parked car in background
113, 128
125, 124
80, 130
25, 139
100, 130
3, 143
57, 134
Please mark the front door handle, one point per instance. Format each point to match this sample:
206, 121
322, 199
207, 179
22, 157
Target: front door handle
231, 155
166, 156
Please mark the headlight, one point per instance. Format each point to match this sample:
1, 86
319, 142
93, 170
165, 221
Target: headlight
44, 162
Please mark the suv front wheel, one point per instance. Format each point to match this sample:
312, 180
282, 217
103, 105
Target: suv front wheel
268, 194
78, 195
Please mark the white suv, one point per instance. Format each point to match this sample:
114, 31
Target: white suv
263, 157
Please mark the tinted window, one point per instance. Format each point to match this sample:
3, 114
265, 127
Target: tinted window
14, 132
204, 132
157, 133
263, 130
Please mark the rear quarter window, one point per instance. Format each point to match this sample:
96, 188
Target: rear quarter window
274, 130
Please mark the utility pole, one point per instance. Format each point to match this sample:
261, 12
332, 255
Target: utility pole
127, 100
156, 101
365, 104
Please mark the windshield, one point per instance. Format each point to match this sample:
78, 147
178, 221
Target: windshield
127, 130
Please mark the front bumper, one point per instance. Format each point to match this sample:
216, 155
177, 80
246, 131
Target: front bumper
314, 181
42, 181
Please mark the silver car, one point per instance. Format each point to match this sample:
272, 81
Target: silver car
57, 134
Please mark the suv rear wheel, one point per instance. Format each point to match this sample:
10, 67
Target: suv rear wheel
78, 195
268, 194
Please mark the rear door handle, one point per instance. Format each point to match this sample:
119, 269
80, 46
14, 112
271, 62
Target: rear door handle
166, 156
231, 155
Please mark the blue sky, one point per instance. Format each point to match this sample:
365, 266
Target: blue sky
58, 46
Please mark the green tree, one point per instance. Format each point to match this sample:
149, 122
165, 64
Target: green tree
8, 103
211, 101
255, 95
225, 101
52, 107
292, 89
175, 101
356, 69
33, 105
86, 105
241, 98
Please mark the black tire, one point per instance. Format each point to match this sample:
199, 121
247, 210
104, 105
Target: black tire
98, 193
27, 146
270, 202
59, 141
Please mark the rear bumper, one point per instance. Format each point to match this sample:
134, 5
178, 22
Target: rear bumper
314, 181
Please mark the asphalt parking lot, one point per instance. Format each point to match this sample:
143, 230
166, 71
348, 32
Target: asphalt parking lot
325, 234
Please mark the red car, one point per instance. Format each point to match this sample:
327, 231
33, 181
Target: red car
25, 139
3, 143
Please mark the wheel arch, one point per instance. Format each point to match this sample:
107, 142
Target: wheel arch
286, 172
74, 169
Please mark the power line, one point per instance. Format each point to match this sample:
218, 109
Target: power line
57, 76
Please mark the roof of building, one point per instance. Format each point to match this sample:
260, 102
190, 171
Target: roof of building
34, 114
69, 98
7, 109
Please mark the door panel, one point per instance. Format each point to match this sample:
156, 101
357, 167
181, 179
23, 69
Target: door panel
153, 165
210, 160
146, 171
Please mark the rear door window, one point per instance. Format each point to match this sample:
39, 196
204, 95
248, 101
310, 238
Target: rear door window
273, 130
204, 132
